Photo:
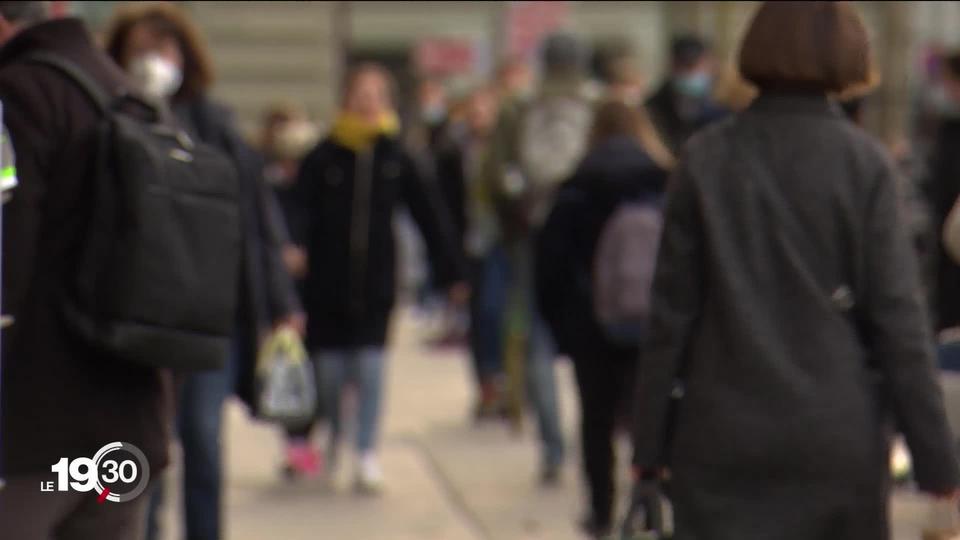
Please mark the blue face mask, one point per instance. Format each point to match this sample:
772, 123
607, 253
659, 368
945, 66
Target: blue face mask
434, 114
694, 85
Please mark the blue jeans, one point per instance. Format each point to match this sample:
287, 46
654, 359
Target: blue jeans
487, 304
539, 379
199, 423
542, 391
363, 367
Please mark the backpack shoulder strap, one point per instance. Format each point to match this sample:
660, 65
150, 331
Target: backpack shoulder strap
72, 71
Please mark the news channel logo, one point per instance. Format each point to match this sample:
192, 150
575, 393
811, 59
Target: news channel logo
118, 472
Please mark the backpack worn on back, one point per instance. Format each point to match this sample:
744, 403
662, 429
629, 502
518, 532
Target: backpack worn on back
553, 139
624, 264
157, 275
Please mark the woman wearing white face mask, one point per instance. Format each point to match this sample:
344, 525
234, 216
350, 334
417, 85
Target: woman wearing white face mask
161, 51
158, 76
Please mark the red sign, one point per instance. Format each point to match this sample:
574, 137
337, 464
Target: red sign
444, 56
60, 8
528, 22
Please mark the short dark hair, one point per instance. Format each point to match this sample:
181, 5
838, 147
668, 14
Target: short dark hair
806, 46
29, 12
686, 50
564, 54
168, 20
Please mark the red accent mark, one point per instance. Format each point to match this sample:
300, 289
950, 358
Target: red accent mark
103, 496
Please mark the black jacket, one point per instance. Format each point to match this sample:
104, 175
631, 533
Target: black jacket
796, 322
944, 189
267, 293
348, 201
616, 171
676, 126
452, 179
59, 397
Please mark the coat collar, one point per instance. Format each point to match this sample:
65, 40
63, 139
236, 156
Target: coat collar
64, 34
795, 103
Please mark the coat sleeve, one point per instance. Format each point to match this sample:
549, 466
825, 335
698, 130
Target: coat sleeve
422, 197
451, 179
677, 298
281, 290
502, 149
899, 342
500, 157
305, 198
30, 127
281, 295
554, 275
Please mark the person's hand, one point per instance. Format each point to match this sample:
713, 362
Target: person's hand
295, 321
295, 259
459, 293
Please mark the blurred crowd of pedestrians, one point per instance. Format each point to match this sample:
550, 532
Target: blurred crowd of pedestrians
754, 291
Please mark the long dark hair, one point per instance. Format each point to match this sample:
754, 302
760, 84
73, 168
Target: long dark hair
617, 119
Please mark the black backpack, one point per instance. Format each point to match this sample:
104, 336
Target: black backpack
157, 274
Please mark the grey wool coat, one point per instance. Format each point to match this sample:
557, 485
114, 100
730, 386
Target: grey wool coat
787, 301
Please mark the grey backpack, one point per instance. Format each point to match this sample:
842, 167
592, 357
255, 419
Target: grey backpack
623, 269
553, 140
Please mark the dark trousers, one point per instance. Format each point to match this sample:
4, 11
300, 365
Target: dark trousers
605, 380
26, 513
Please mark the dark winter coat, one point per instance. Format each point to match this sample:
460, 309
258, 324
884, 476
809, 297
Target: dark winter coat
797, 324
267, 293
615, 172
676, 128
944, 186
59, 397
453, 180
348, 201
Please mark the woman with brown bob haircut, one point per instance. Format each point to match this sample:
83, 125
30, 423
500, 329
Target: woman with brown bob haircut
161, 50
785, 306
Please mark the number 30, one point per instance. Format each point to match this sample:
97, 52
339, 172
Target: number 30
125, 471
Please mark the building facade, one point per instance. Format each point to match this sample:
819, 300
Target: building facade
297, 51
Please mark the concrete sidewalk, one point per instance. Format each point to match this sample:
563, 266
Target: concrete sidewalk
447, 479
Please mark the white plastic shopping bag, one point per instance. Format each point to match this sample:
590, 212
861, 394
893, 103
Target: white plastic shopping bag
286, 383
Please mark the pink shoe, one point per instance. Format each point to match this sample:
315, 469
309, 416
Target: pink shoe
303, 460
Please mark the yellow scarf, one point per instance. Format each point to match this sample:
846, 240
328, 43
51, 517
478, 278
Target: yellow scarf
358, 134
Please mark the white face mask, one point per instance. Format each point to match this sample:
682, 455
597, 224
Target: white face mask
156, 76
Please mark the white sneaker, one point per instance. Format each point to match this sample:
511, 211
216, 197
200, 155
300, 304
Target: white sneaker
369, 474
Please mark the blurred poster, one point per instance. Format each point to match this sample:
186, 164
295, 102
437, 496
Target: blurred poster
60, 8
445, 56
528, 22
